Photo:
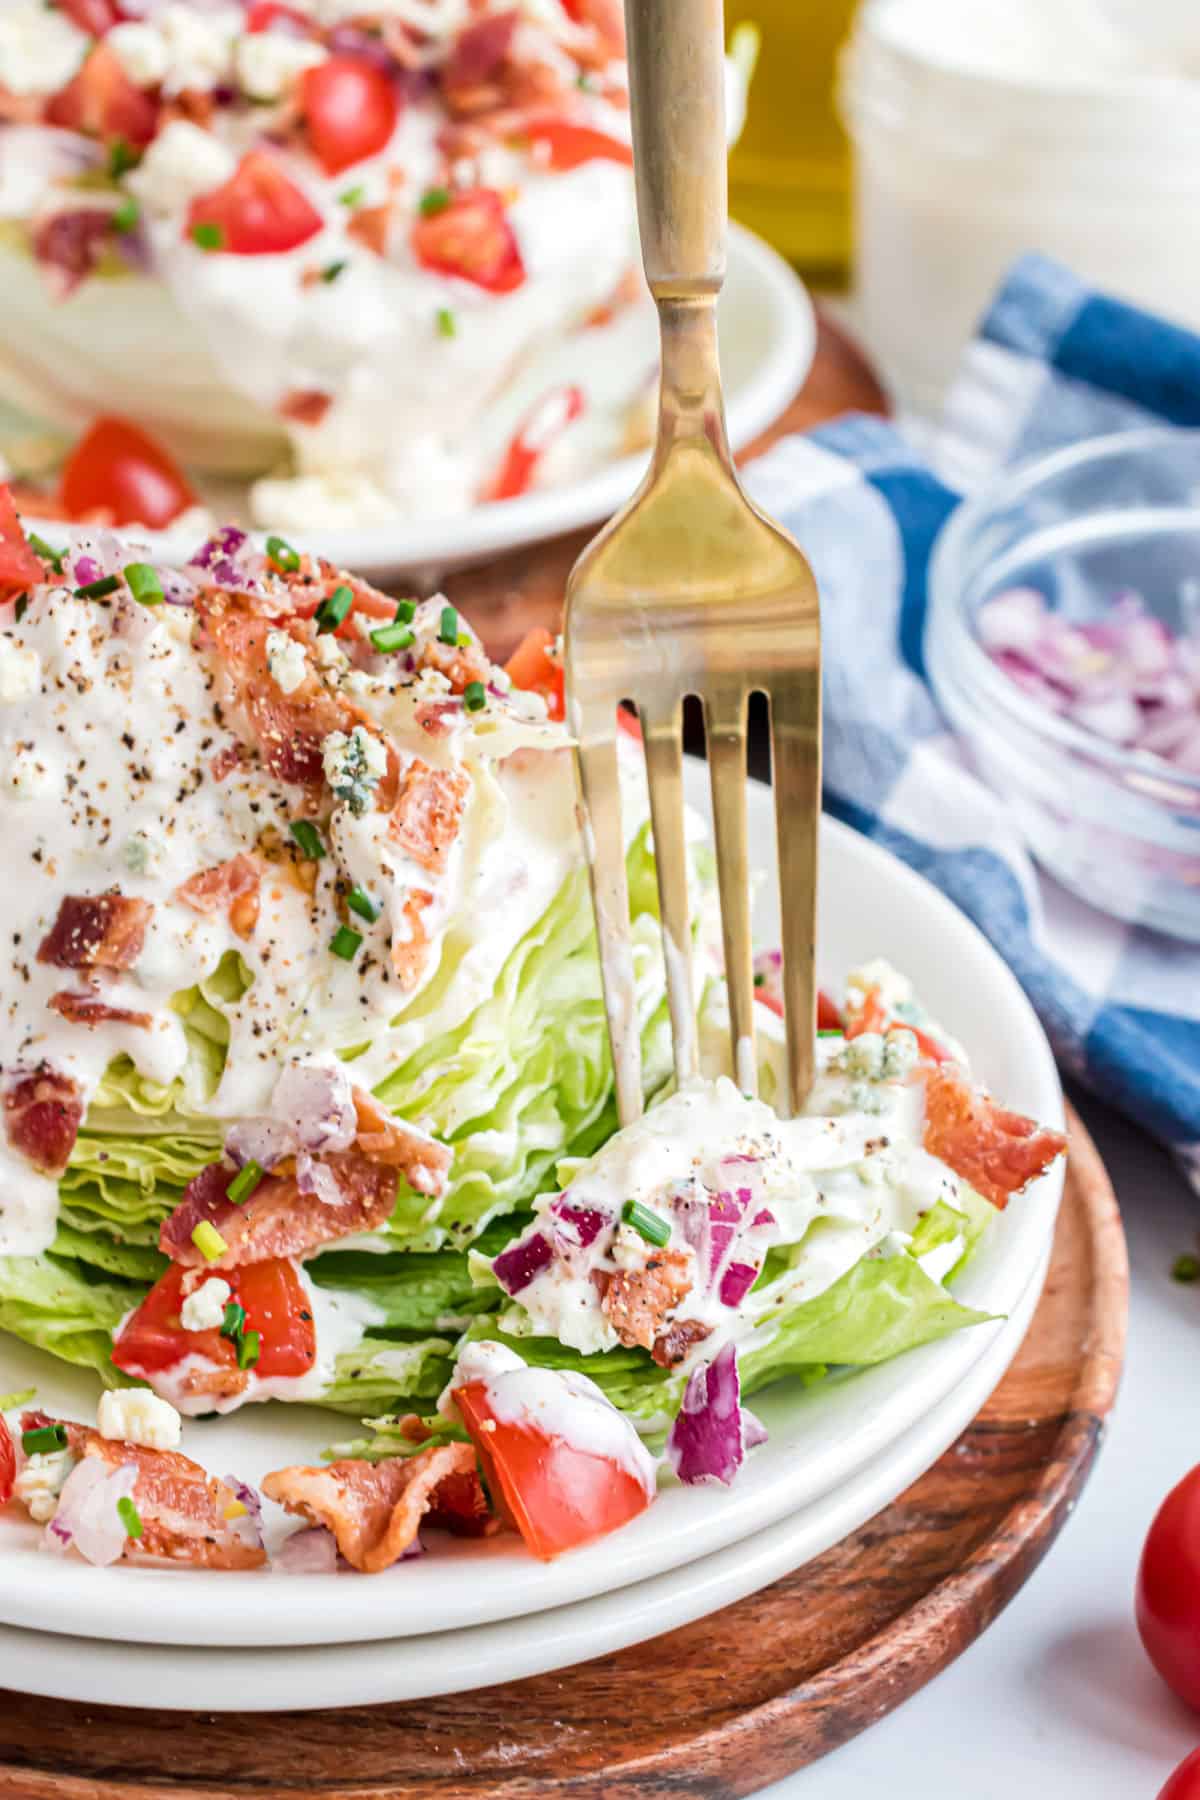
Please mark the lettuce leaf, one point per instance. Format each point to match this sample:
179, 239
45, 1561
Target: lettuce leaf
402, 1373
66, 1307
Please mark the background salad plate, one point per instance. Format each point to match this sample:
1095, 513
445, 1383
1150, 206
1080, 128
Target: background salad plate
768, 341
819, 1436
180, 1678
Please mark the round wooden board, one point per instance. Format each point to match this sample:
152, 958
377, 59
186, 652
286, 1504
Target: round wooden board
720, 1707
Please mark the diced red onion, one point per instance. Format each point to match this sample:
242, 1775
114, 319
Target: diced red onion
517, 1266
318, 1105
754, 1432
313, 1177
736, 1283
241, 1490
264, 1141
312, 1551
87, 1509
708, 1440
581, 1225
765, 1217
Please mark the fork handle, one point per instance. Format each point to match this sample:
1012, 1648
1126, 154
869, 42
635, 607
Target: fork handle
677, 98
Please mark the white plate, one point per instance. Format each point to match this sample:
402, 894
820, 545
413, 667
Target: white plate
444, 1662
768, 339
871, 904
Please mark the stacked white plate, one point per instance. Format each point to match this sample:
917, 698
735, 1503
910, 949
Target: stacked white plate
837, 1452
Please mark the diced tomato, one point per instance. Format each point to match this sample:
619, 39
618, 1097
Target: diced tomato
536, 670
102, 102
557, 1496
8, 1462
472, 238
117, 471
19, 567
350, 110
570, 144
258, 212
828, 1016
264, 15
551, 416
93, 16
276, 1307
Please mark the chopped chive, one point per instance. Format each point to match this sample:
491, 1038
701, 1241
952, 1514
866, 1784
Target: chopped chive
208, 237
345, 942
646, 1223
360, 902
433, 200
121, 158
233, 1324
759, 979
47, 552
144, 583
474, 696
392, 637
244, 1182
353, 196
448, 629
44, 1438
463, 640
98, 590
21, 607
308, 838
1186, 1268
406, 612
208, 1241
332, 270
447, 324
282, 555
126, 216
129, 1516
249, 1349
332, 611
832, 1031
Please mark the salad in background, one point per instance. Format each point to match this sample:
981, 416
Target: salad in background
377, 258
307, 1095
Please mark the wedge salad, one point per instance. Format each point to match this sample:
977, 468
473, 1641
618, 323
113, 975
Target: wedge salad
307, 1094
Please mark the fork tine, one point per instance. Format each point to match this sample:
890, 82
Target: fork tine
796, 774
726, 733
664, 771
604, 840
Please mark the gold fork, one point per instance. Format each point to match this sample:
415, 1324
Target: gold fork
691, 590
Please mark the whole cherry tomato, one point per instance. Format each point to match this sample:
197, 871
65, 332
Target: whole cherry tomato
1184, 1784
1168, 1590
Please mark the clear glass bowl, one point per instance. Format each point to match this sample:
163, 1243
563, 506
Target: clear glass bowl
1119, 827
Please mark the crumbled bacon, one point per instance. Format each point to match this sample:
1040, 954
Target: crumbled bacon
375, 1509
461, 664
371, 226
305, 406
639, 1302
410, 952
472, 78
185, 1512
997, 1152
385, 1139
42, 1115
71, 245
233, 887
86, 1009
678, 1341
96, 931
428, 812
277, 1219
232, 757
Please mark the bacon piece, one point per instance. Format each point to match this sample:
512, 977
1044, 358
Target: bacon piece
472, 78
997, 1152
42, 1115
277, 1219
233, 887
428, 811
96, 931
86, 1009
184, 1510
410, 953
387, 1140
371, 226
461, 664
677, 1342
232, 757
305, 406
375, 1509
638, 1302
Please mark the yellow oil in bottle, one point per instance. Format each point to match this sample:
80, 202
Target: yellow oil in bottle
790, 172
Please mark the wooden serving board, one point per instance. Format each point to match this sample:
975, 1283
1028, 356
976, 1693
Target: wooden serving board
720, 1707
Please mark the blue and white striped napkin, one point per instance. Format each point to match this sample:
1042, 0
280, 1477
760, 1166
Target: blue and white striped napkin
1053, 362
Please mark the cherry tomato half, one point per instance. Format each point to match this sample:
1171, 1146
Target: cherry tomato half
116, 469
102, 102
558, 1497
570, 144
350, 109
471, 237
258, 212
1184, 1784
19, 567
276, 1307
1168, 1590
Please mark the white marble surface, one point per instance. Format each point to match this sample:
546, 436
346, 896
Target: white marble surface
1057, 1699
